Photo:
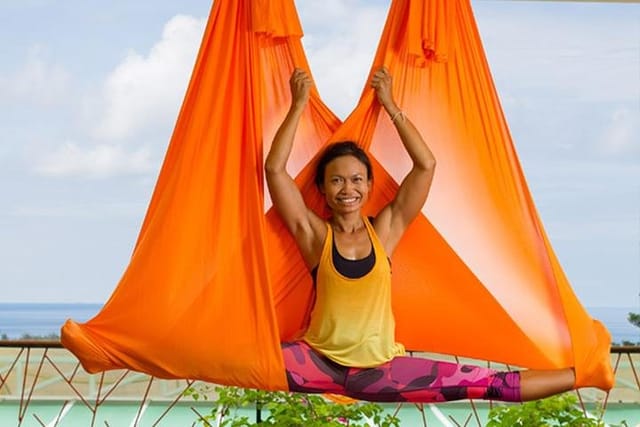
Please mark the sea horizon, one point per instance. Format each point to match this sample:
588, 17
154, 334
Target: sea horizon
46, 318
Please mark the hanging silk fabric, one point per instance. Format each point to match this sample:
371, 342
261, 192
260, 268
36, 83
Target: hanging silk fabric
216, 275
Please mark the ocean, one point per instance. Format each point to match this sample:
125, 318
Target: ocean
18, 319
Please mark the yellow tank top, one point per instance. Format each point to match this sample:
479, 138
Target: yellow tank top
352, 322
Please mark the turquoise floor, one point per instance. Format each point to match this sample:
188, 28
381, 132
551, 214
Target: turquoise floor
117, 414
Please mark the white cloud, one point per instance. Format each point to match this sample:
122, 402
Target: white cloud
142, 96
98, 162
38, 81
621, 135
340, 48
316, 15
145, 90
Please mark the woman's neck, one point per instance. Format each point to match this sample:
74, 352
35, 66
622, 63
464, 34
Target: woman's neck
349, 223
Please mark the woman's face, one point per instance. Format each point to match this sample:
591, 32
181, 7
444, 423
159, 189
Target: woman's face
346, 184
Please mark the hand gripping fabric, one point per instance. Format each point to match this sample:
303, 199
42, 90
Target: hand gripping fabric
215, 283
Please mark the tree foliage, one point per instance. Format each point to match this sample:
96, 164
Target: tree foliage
634, 319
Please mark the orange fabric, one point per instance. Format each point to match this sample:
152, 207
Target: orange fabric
215, 277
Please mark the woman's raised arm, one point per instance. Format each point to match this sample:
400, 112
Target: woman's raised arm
393, 220
305, 226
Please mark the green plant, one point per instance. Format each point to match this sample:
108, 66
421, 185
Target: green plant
634, 319
289, 409
560, 410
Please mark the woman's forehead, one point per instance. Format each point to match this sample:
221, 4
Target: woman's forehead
347, 165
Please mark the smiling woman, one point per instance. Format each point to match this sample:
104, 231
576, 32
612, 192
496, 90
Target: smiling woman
349, 346
344, 177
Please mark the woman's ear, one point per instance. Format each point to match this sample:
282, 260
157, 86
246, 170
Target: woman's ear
321, 188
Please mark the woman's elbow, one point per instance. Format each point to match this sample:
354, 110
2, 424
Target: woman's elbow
431, 164
271, 166
428, 165
268, 168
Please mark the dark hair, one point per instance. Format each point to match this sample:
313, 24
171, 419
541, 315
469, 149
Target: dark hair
339, 149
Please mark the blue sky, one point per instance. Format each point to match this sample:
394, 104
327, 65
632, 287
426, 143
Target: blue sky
89, 94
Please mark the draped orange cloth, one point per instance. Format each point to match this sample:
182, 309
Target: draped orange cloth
215, 282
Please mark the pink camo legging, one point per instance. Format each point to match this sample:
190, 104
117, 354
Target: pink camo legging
403, 379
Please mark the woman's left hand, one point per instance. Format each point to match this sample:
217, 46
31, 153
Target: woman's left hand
382, 83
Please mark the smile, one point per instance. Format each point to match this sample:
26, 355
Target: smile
348, 200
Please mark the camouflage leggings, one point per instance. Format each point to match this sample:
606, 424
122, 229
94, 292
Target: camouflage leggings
403, 379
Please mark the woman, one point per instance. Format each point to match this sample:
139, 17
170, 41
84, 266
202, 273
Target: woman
349, 347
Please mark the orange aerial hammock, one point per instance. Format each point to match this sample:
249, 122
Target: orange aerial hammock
215, 282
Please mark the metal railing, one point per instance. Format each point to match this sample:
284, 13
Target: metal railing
41, 381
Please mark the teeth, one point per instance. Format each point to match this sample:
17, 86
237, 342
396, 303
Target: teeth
350, 200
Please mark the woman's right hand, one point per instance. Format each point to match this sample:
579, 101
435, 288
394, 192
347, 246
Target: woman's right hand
300, 84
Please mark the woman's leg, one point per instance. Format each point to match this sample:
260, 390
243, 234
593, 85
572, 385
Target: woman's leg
414, 379
310, 372
537, 384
